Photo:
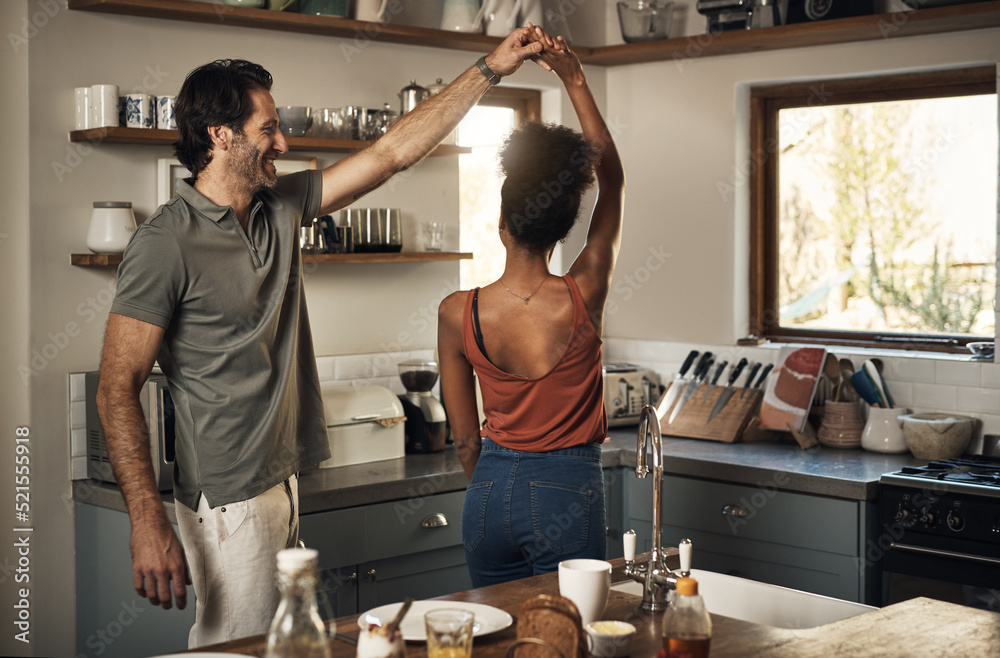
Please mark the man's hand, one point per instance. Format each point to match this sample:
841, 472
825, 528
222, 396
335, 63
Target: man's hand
519, 46
158, 564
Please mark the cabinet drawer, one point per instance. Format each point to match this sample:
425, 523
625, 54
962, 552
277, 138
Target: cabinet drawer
399, 528
780, 517
336, 535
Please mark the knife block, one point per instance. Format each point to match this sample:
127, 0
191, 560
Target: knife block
727, 426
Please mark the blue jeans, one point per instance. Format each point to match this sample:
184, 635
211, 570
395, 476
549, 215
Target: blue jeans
525, 512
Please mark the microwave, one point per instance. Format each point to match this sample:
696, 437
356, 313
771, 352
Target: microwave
158, 409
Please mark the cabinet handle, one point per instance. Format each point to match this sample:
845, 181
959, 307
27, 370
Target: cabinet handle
353, 578
734, 510
438, 520
370, 575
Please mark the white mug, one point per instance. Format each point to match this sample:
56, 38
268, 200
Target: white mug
103, 106
139, 110
586, 583
82, 98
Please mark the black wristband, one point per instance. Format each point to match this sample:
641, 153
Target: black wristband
491, 77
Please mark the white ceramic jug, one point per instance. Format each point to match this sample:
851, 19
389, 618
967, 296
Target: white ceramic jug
499, 16
461, 16
883, 432
373, 11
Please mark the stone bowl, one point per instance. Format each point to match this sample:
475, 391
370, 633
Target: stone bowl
933, 436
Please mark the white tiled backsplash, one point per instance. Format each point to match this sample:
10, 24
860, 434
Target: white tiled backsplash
923, 383
379, 369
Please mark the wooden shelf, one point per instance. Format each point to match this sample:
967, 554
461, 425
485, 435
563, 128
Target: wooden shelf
953, 18
970, 16
113, 260
149, 136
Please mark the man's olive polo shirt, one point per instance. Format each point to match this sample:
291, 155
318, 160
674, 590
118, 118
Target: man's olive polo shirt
237, 351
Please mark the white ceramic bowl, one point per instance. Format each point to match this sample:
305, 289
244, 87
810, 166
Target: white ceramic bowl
610, 639
936, 436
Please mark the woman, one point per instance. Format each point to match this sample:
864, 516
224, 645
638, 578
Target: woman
536, 495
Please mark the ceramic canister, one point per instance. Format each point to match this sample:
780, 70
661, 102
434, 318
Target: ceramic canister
103, 106
111, 227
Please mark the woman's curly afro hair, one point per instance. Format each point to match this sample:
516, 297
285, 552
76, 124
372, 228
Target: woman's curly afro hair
548, 168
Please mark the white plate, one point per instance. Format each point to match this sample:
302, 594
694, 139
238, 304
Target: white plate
488, 618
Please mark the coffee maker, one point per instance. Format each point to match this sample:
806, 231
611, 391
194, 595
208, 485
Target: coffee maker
426, 422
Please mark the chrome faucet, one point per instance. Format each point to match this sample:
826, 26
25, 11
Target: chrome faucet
656, 578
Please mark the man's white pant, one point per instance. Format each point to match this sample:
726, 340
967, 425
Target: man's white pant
230, 554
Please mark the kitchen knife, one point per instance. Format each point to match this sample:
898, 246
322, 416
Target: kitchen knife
760, 380
674, 390
715, 380
729, 390
704, 365
749, 381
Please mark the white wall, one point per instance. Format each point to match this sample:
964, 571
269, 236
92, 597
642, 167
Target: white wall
14, 327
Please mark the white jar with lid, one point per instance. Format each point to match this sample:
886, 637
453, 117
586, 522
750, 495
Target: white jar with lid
111, 227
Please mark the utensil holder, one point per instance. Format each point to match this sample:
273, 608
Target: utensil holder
841, 426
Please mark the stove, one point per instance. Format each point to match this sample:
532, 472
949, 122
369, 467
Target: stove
941, 521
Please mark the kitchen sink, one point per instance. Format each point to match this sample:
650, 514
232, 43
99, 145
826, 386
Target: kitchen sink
760, 603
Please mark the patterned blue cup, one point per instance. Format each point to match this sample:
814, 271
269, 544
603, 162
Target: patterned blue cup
165, 113
139, 111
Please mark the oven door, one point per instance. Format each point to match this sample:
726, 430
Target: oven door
940, 545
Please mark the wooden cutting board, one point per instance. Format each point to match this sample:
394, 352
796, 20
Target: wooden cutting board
727, 426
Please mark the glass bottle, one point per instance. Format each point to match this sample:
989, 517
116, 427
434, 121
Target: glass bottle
297, 630
687, 627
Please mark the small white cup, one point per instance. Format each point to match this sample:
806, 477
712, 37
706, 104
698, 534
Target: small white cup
610, 639
586, 583
103, 106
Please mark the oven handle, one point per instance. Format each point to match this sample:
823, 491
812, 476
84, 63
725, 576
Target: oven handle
938, 552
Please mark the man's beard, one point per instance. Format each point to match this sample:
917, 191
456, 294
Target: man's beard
248, 165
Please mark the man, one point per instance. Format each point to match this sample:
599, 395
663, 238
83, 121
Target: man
209, 288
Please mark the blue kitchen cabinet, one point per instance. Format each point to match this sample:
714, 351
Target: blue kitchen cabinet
803, 541
112, 620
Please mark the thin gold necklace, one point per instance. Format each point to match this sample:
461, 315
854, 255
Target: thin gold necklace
524, 299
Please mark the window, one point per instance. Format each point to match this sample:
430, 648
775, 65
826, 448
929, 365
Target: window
484, 129
874, 210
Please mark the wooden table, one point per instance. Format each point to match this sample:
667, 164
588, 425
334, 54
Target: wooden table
915, 628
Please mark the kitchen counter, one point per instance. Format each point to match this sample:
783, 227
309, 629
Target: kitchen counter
911, 629
849, 474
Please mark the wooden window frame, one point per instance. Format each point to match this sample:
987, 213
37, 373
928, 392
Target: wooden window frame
765, 102
526, 103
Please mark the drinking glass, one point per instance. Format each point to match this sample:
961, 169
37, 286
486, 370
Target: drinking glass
433, 236
449, 633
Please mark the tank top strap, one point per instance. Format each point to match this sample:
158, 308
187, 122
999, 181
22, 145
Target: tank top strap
580, 314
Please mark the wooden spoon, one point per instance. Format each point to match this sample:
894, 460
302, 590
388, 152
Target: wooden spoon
847, 390
832, 369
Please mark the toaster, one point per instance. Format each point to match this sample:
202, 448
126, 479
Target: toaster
627, 388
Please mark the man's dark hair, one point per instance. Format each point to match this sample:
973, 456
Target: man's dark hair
548, 168
216, 94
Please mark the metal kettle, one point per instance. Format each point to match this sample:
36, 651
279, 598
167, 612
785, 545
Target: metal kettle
410, 95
